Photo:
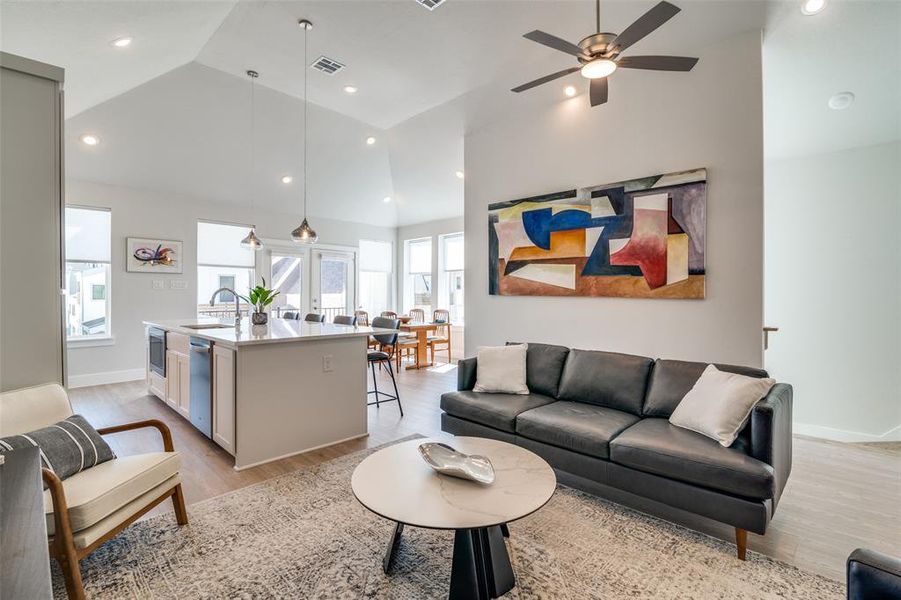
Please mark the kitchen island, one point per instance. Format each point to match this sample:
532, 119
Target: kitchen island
263, 392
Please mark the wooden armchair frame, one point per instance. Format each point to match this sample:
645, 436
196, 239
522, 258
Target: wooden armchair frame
62, 545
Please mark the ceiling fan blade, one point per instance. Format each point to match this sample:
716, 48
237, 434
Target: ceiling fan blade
597, 91
545, 79
645, 24
552, 41
658, 63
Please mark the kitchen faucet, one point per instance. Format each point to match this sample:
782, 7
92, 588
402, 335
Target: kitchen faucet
237, 305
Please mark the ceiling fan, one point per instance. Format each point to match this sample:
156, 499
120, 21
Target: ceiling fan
600, 54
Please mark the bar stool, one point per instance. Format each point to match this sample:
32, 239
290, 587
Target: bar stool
381, 357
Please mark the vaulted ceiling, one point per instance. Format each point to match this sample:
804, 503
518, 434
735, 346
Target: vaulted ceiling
172, 109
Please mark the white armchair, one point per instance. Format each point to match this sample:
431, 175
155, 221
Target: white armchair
92, 506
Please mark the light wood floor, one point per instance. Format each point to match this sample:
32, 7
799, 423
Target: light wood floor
839, 496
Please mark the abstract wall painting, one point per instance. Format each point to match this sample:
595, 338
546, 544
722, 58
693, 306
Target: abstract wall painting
153, 256
642, 238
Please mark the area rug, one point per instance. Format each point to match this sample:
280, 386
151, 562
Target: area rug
304, 535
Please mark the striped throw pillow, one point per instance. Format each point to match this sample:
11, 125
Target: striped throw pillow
66, 447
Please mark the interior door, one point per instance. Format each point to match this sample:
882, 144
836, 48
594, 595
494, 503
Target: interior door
333, 289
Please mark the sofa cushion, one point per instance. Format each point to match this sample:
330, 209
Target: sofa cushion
606, 379
655, 446
494, 410
576, 426
99, 491
672, 379
544, 364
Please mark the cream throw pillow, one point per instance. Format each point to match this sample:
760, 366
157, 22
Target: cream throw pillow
502, 370
719, 404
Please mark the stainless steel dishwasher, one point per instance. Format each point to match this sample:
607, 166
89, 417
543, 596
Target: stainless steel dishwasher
202, 385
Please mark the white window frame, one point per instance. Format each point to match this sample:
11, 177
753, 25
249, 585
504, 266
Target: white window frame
392, 280
254, 268
409, 286
97, 339
443, 279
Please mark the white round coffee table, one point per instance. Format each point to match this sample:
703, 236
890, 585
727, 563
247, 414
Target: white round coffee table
397, 484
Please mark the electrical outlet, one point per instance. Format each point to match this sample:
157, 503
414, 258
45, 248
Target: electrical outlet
327, 366
159, 284
178, 284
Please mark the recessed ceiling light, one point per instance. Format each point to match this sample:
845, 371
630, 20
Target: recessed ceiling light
459, 174
350, 89
370, 140
841, 101
386, 199
287, 179
121, 42
812, 7
569, 91
89, 139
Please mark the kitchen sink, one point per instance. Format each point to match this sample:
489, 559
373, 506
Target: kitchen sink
208, 326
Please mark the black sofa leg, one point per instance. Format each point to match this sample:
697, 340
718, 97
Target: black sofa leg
741, 542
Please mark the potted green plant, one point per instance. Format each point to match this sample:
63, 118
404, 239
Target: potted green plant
260, 297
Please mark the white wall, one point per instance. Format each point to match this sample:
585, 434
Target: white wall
653, 123
833, 287
144, 213
432, 229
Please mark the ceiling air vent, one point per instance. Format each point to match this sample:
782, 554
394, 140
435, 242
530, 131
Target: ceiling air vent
431, 4
327, 65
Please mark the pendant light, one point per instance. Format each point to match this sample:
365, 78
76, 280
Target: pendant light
252, 242
304, 234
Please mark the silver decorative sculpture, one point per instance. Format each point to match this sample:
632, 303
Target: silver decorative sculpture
448, 461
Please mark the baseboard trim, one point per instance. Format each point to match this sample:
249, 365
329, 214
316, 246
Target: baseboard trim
89, 379
842, 435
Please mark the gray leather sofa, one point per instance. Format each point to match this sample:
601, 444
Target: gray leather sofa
601, 420
873, 576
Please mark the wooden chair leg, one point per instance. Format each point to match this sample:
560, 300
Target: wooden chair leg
178, 501
67, 557
741, 543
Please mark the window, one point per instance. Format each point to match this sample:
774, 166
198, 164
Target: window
287, 278
88, 242
452, 272
222, 262
375, 276
418, 290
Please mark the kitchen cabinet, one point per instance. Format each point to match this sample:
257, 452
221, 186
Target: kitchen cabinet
224, 397
178, 382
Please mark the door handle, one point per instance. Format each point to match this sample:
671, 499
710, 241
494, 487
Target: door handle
766, 336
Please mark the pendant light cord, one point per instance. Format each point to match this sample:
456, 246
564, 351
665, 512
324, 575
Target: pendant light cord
305, 66
253, 163
597, 14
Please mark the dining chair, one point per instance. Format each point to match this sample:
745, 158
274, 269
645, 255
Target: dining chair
417, 314
314, 318
407, 343
344, 320
362, 317
388, 314
290, 314
382, 356
441, 339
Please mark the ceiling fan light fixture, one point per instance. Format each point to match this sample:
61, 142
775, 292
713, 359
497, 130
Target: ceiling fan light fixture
598, 68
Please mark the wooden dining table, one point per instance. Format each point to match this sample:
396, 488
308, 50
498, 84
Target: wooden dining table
422, 341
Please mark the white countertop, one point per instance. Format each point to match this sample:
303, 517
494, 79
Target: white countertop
275, 332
